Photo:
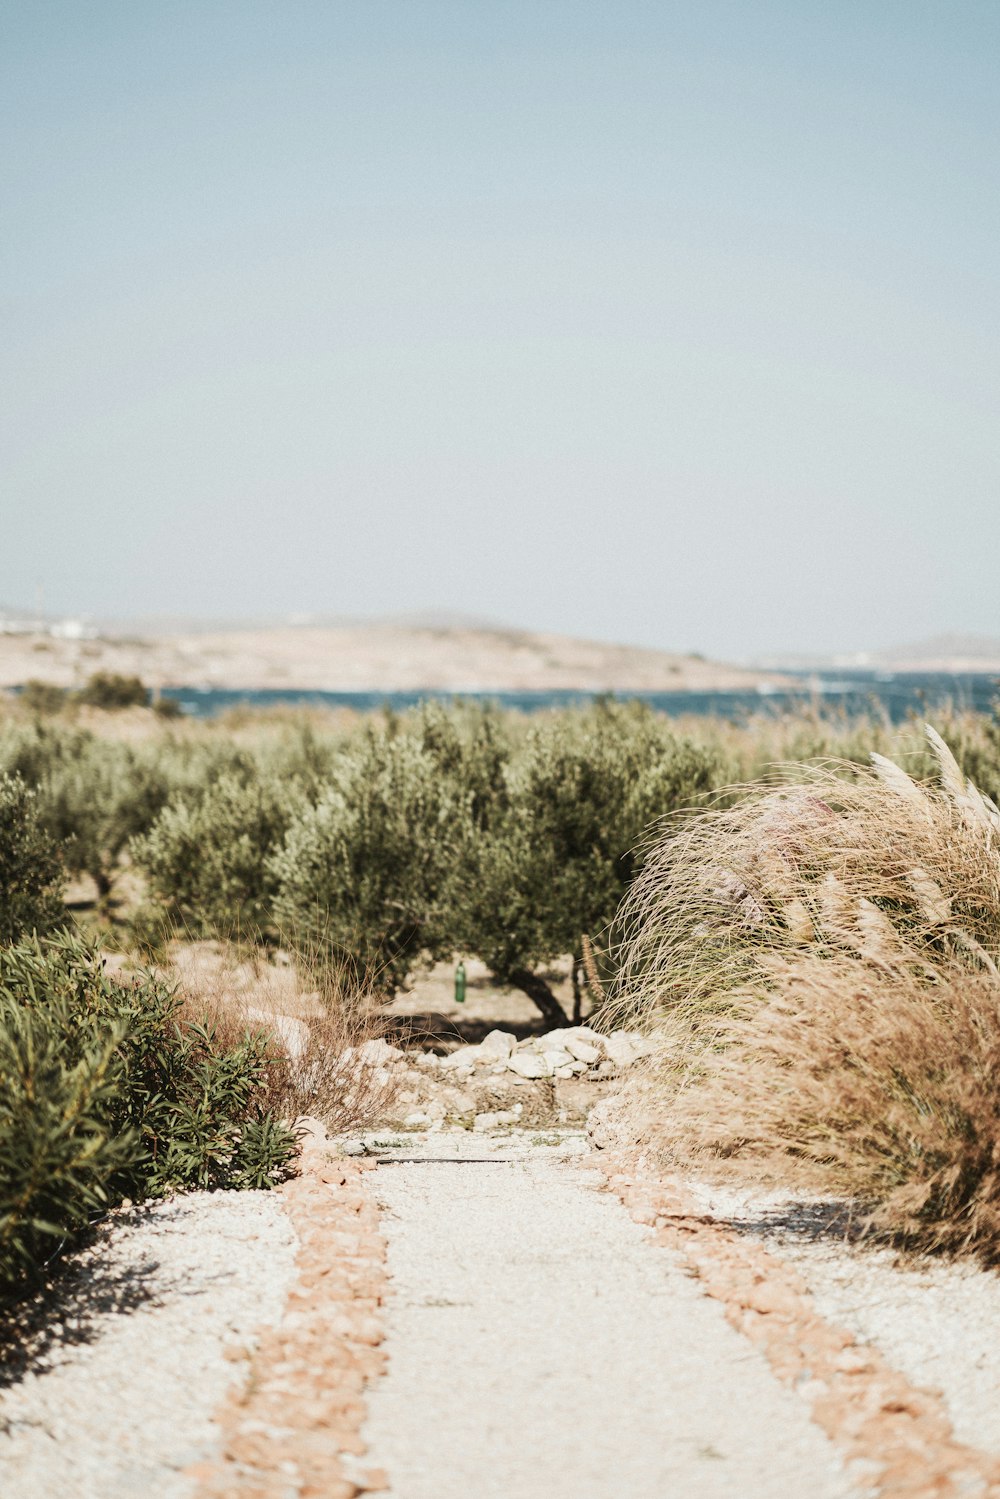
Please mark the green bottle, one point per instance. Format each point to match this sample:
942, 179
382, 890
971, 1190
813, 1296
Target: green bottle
460, 984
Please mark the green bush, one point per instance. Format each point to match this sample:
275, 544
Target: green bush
30, 868
207, 854
93, 795
42, 697
110, 690
369, 870
553, 865
105, 1092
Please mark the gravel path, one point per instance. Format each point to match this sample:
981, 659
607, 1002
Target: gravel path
541, 1347
935, 1321
121, 1398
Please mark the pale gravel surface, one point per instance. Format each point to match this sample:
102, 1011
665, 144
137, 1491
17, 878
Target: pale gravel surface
936, 1322
123, 1397
541, 1346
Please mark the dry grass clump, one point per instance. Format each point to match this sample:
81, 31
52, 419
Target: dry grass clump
823, 956
833, 860
865, 1081
319, 1066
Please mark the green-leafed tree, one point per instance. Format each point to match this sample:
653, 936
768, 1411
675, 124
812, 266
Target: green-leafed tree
31, 871
580, 797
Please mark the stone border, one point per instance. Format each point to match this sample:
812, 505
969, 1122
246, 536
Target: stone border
885, 1427
291, 1429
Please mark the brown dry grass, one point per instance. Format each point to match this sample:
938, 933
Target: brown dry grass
834, 859
864, 1081
318, 1067
821, 960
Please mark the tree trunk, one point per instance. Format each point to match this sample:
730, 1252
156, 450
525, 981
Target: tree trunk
540, 994
577, 992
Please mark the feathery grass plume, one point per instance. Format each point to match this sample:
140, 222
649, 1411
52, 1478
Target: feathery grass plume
833, 858
593, 978
823, 956
863, 1080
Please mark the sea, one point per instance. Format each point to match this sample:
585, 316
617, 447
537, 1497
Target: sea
897, 696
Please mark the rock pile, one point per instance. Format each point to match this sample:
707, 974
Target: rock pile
563, 1053
502, 1081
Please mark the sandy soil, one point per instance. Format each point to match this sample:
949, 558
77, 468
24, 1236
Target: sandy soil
376, 658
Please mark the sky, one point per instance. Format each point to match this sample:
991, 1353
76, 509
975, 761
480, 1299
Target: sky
667, 323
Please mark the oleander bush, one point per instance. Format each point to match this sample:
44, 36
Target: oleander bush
31, 871
108, 1091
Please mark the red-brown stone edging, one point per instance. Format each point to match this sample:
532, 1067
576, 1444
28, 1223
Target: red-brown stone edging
899, 1435
287, 1426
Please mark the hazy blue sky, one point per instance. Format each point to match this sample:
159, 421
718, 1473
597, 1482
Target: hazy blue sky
675, 323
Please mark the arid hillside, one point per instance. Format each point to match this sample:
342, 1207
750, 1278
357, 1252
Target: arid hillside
368, 657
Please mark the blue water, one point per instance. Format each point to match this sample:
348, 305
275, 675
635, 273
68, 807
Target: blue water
898, 695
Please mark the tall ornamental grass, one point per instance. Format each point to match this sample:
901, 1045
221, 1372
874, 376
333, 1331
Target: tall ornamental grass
822, 959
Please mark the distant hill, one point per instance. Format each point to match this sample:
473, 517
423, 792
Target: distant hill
381, 656
958, 653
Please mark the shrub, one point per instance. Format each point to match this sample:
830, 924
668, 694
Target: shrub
30, 867
866, 1080
106, 1092
207, 855
368, 871
93, 794
42, 697
833, 860
110, 690
167, 707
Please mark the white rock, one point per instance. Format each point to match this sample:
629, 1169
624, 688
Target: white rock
311, 1130
498, 1044
428, 1060
494, 1120
583, 1051
377, 1053
563, 1072
292, 1034
581, 1033
529, 1064
624, 1047
417, 1120
465, 1056
353, 1147
556, 1059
